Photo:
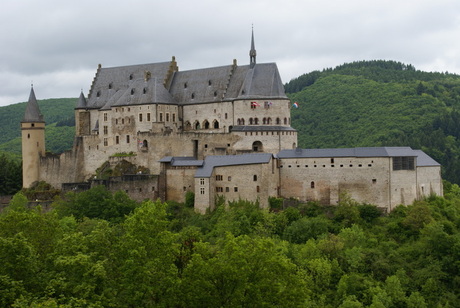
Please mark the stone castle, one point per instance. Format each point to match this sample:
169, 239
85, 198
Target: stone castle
157, 132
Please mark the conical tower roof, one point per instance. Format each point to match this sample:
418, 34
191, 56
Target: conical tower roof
82, 104
32, 113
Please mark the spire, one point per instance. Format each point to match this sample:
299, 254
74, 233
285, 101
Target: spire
81, 101
252, 52
32, 113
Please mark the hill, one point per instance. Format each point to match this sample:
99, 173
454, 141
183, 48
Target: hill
59, 117
380, 103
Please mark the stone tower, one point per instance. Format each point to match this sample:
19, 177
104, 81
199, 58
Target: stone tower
33, 141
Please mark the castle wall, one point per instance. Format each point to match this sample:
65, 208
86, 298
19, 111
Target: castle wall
429, 181
273, 109
253, 182
179, 181
271, 141
220, 112
325, 179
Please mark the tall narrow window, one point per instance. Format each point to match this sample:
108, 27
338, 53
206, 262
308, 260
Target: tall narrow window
312, 184
127, 138
105, 116
148, 117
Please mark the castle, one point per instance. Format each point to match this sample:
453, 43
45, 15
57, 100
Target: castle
157, 132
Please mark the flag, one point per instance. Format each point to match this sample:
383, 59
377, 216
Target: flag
255, 104
295, 105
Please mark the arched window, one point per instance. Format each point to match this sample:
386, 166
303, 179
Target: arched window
312, 184
242, 121
215, 124
145, 144
250, 121
188, 126
278, 121
196, 125
285, 121
264, 121
257, 146
269, 120
256, 121
238, 122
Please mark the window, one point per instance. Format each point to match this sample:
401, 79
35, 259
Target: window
167, 117
219, 189
105, 142
106, 130
127, 138
140, 117
254, 177
219, 177
174, 117
374, 181
235, 189
332, 160
258, 188
403, 163
105, 116
148, 117
229, 178
161, 116
227, 189
312, 184
132, 91
202, 191
201, 181
117, 139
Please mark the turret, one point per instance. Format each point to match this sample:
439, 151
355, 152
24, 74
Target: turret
82, 117
33, 141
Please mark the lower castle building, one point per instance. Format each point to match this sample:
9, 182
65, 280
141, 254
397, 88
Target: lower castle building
157, 132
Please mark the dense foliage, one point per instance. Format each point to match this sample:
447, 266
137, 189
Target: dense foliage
380, 103
164, 255
10, 175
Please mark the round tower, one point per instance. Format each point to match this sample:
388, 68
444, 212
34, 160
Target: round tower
33, 141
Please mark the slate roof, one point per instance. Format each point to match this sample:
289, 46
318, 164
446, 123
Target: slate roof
422, 158
81, 104
126, 85
211, 162
181, 161
32, 112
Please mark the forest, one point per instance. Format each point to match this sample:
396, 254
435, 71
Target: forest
98, 249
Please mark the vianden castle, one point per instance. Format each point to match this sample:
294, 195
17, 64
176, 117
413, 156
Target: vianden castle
154, 131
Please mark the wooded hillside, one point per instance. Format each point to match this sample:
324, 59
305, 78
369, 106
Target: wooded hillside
380, 103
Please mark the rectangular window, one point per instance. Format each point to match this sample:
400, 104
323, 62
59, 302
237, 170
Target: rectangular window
202, 191
403, 163
219, 177
140, 117
105, 116
161, 116
235, 189
148, 117
229, 178
201, 181
106, 143
167, 117
227, 189
219, 189
106, 130
127, 138
117, 139
174, 117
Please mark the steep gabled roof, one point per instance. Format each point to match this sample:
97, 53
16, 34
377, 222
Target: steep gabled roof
32, 113
81, 104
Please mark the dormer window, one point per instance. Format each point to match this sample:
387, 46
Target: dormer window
145, 90
193, 95
215, 93
110, 85
132, 91
185, 85
131, 77
209, 82
98, 93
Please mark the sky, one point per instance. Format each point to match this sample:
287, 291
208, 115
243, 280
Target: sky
57, 45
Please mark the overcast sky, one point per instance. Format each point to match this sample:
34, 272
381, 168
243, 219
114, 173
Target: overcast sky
57, 44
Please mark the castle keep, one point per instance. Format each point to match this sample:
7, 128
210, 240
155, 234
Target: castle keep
157, 132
